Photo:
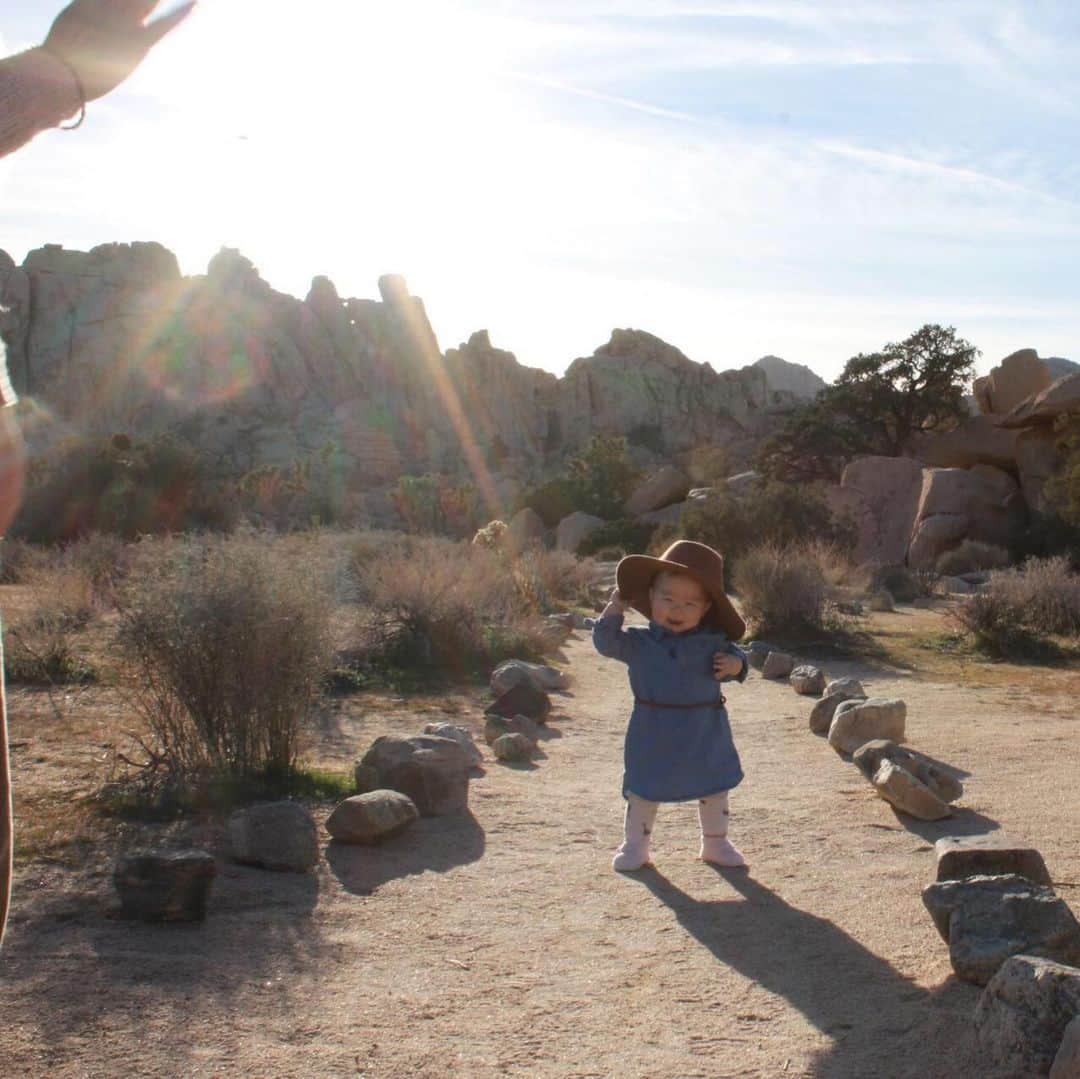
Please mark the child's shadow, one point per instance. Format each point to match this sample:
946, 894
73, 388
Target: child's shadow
832, 979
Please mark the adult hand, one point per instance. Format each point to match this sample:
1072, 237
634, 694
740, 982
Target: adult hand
104, 41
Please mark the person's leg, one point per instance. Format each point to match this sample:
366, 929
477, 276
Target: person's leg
715, 845
637, 825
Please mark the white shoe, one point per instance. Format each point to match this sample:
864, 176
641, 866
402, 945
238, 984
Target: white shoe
719, 850
631, 856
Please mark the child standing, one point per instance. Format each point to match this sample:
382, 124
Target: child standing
678, 743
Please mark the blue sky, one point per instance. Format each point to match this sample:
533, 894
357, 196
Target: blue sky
806, 179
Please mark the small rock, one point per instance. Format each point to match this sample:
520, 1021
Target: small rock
757, 652
851, 686
461, 735
868, 757
821, 716
807, 680
985, 856
496, 726
515, 671
274, 835
371, 818
522, 700
165, 886
512, 747
985, 920
881, 600
1024, 1014
902, 790
777, 665
1067, 1061
860, 722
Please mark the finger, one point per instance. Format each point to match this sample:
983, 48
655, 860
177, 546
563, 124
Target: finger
156, 30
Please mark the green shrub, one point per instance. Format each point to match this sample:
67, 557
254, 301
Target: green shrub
552, 500
972, 556
782, 589
621, 537
229, 642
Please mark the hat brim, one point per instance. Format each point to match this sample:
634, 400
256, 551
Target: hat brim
634, 574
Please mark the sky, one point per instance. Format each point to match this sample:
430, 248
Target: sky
807, 179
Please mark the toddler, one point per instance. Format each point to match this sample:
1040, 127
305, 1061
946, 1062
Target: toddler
678, 743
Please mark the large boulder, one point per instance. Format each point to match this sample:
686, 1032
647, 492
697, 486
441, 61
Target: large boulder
868, 757
859, 722
1037, 459
988, 855
1067, 1059
573, 530
890, 488
1015, 379
1059, 398
908, 794
371, 818
165, 886
662, 488
669, 515
274, 835
934, 536
523, 699
462, 735
778, 665
985, 920
976, 441
821, 715
1023, 1014
432, 771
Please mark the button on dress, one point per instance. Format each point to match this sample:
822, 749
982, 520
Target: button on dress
678, 743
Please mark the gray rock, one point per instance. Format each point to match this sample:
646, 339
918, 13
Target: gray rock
572, 531
432, 771
954, 586
513, 672
1023, 1014
165, 886
852, 687
821, 715
1067, 1060
881, 600
496, 726
868, 757
371, 818
524, 699
987, 919
902, 790
512, 747
366, 778
987, 855
757, 652
860, 722
807, 680
777, 665
461, 735
274, 835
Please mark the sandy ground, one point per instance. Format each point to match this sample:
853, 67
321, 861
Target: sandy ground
500, 943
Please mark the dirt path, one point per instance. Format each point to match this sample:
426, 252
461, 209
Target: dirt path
501, 944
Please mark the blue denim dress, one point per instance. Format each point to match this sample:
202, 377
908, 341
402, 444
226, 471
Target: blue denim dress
678, 744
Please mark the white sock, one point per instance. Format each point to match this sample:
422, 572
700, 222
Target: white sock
637, 827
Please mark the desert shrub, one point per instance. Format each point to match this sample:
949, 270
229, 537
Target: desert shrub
1018, 608
492, 535
903, 583
620, 537
438, 505
782, 589
546, 579
838, 569
19, 559
436, 608
552, 500
776, 514
1044, 536
971, 556
228, 639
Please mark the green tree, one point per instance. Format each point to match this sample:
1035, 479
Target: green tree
878, 404
600, 480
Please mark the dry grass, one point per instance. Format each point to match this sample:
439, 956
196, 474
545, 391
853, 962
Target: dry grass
781, 589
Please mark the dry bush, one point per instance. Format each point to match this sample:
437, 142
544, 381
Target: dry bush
493, 535
1019, 607
781, 588
18, 557
970, 557
546, 579
105, 560
229, 642
438, 606
839, 569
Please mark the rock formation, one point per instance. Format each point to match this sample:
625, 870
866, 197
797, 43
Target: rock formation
793, 378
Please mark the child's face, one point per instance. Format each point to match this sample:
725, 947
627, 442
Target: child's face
679, 603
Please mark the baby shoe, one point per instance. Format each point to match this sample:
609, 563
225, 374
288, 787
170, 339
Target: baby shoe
631, 856
719, 850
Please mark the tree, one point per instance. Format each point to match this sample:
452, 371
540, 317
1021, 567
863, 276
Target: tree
878, 404
601, 479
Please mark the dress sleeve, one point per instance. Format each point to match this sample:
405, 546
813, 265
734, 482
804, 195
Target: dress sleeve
735, 650
610, 639
37, 92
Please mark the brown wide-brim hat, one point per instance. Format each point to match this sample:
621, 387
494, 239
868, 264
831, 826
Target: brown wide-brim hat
634, 574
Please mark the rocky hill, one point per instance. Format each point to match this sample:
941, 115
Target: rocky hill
116, 339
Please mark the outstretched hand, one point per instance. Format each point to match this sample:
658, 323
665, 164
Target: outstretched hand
104, 41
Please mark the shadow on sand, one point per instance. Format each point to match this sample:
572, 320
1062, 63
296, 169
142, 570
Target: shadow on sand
842, 988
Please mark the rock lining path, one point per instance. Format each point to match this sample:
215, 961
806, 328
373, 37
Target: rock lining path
501, 944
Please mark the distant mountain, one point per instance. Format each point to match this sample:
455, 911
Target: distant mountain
796, 378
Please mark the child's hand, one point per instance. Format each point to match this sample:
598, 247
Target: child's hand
615, 602
725, 665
